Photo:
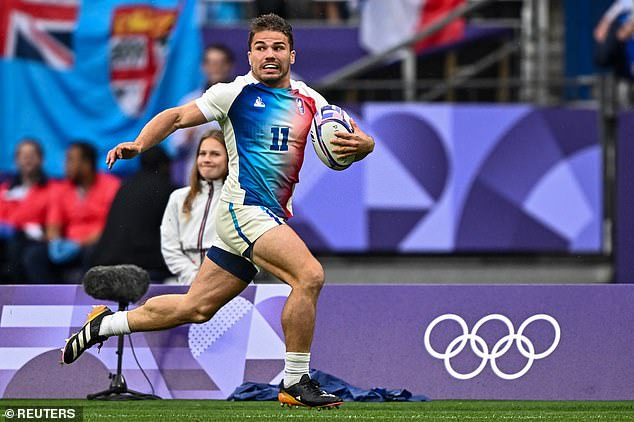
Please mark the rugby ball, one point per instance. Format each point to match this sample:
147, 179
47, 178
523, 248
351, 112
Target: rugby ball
327, 121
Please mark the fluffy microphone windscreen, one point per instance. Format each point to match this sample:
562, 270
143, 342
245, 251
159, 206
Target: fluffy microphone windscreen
117, 283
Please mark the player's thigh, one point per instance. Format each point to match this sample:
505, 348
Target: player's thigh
212, 288
284, 254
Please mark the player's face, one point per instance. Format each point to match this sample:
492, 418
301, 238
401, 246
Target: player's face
271, 58
212, 160
28, 159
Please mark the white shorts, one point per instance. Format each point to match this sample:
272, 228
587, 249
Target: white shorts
237, 229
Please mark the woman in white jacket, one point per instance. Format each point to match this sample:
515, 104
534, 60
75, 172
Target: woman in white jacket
188, 226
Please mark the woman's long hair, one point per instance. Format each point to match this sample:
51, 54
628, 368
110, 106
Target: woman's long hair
195, 177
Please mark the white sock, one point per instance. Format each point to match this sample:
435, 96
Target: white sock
295, 365
115, 324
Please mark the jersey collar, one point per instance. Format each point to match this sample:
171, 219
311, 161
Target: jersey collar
252, 80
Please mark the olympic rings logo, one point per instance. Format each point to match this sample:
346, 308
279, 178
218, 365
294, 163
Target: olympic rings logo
481, 349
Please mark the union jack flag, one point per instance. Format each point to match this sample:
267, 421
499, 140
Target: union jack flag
39, 30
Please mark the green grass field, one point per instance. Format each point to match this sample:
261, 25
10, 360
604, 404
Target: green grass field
211, 410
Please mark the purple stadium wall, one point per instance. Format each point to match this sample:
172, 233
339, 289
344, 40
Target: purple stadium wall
470, 179
500, 342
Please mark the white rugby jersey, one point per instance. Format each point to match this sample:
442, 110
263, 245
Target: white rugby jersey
265, 132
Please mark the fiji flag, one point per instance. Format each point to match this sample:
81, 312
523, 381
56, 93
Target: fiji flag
93, 70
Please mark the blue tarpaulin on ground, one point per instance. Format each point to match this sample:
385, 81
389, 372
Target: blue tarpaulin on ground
262, 392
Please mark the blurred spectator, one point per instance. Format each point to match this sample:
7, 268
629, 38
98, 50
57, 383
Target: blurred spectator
132, 232
188, 228
218, 66
24, 202
612, 35
332, 11
262, 7
75, 220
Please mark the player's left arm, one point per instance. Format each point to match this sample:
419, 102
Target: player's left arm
358, 143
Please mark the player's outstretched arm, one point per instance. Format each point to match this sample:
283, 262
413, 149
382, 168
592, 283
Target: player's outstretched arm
358, 144
157, 129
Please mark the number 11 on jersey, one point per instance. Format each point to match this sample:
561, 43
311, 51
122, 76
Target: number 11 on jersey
275, 145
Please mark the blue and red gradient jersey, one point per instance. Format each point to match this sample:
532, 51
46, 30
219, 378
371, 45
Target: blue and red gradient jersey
265, 133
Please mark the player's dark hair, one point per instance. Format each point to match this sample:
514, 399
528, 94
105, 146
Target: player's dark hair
87, 151
231, 58
40, 177
271, 22
195, 177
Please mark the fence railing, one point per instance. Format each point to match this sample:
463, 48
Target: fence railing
406, 51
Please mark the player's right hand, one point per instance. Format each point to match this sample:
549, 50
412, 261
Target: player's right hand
124, 150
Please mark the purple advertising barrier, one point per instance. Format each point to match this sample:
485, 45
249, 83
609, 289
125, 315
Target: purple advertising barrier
562, 342
440, 181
